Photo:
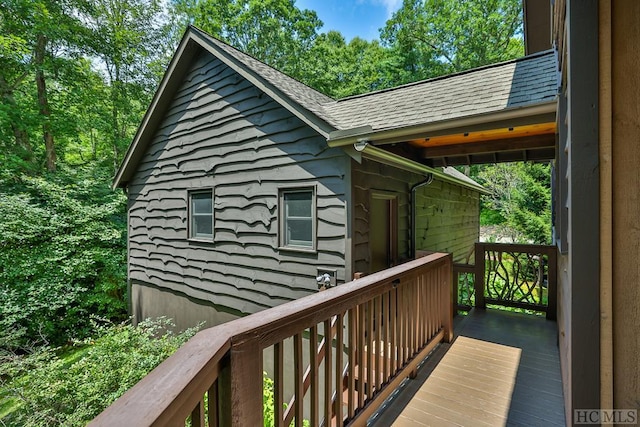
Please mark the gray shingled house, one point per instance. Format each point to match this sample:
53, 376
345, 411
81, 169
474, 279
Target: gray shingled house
247, 189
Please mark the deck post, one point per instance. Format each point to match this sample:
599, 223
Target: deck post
246, 383
448, 303
455, 284
478, 281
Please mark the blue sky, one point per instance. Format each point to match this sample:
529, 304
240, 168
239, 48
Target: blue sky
352, 18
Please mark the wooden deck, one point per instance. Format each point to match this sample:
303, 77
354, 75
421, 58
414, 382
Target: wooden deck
502, 369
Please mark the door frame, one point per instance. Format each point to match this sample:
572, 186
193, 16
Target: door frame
392, 198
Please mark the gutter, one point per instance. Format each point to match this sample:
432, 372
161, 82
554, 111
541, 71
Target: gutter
455, 125
383, 156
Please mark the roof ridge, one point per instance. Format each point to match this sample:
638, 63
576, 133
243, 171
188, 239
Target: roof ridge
206, 34
448, 76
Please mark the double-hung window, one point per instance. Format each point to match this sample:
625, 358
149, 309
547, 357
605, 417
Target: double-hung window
298, 219
201, 214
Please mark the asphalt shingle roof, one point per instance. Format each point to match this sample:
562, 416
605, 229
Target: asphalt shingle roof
522, 82
518, 83
302, 94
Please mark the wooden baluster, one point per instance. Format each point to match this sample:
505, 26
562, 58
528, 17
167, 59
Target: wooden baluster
278, 384
408, 319
212, 404
378, 339
427, 306
361, 354
369, 383
405, 324
399, 321
385, 337
314, 381
433, 303
338, 409
197, 415
419, 313
298, 379
413, 298
353, 351
328, 364
424, 302
393, 328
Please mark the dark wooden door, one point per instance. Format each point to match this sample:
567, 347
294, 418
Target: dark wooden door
383, 226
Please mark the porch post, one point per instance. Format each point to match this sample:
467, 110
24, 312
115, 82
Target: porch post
478, 281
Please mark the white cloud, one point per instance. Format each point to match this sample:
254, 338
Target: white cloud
390, 5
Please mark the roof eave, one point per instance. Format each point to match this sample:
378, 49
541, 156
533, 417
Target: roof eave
190, 43
455, 125
309, 117
383, 156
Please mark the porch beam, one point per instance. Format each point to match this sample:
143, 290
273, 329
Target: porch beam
495, 157
509, 144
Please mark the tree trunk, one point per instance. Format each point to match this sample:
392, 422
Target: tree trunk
19, 133
43, 103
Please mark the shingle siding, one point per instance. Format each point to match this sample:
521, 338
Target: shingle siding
221, 132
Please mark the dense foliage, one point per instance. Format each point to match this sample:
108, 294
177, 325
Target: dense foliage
62, 256
436, 37
520, 199
49, 390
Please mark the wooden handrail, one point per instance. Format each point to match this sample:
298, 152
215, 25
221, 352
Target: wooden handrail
226, 362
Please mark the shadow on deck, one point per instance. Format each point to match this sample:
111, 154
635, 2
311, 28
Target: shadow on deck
502, 369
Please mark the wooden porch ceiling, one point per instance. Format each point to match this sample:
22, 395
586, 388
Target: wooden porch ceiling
533, 142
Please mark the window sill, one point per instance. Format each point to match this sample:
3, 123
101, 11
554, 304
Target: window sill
298, 249
201, 240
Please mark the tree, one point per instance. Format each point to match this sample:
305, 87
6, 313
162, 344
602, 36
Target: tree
521, 196
436, 37
131, 40
39, 42
340, 69
273, 31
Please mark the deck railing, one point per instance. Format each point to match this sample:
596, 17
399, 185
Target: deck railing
510, 275
464, 285
347, 349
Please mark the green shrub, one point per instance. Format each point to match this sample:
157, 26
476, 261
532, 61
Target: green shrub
52, 391
62, 256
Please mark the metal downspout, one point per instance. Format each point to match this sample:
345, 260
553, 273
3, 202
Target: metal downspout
412, 202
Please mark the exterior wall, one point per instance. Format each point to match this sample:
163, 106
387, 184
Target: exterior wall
221, 132
625, 158
579, 302
151, 301
447, 219
615, 240
564, 330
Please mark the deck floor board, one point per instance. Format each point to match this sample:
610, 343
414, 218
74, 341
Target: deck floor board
503, 369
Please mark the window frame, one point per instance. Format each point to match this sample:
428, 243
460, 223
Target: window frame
282, 219
190, 215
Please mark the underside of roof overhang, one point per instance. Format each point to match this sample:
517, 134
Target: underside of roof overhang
524, 134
